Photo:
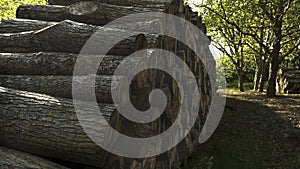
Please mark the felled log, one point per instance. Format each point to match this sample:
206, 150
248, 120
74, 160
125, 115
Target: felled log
61, 86
155, 78
48, 126
22, 25
90, 12
60, 64
143, 3
288, 80
70, 37
144, 84
10, 158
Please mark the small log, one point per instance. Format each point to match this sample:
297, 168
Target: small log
22, 25
89, 12
48, 126
10, 158
70, 37
60, 64
61, 86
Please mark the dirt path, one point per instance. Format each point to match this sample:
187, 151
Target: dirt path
256, 133
286, 106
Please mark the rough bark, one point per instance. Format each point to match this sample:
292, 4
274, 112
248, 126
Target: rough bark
288, 80
144, 83
22, 25
143, 3
157, 79
90, 12
260, 61
70, 37
264, 75
258, 73
60, 64
295, 71
48, 127
61, 86
10, 158
274, 67
240, 80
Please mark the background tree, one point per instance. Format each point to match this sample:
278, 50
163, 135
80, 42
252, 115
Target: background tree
273, 25
227, 38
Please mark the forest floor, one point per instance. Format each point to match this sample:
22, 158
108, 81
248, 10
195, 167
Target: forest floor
255, 132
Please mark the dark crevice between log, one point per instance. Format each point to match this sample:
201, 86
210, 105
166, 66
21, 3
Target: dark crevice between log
71, 165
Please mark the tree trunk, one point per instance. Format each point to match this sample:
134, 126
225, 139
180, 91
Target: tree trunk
240, 80
61, 86
258, 74
10, 158
65, 37
60, 64
274, 67
89, 12
48, 127
264, 74
259, 63
22, 25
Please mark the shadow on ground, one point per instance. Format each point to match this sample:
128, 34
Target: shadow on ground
250, 136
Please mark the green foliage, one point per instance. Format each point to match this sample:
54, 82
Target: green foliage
231, 72
229, 68
8, 7
293, 60
254, 31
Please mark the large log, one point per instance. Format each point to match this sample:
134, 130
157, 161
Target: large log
48, 126
149, 80
70, 37
157, 79
61, 86
22, 25
143, 3
61, 64
90, 12
10, 158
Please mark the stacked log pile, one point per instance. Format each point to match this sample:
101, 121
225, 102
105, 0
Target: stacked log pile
38, 52
288, 80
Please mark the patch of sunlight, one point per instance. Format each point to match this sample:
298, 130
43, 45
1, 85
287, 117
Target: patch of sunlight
35, 97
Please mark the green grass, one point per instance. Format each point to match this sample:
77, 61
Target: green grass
234, 85
247, 85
